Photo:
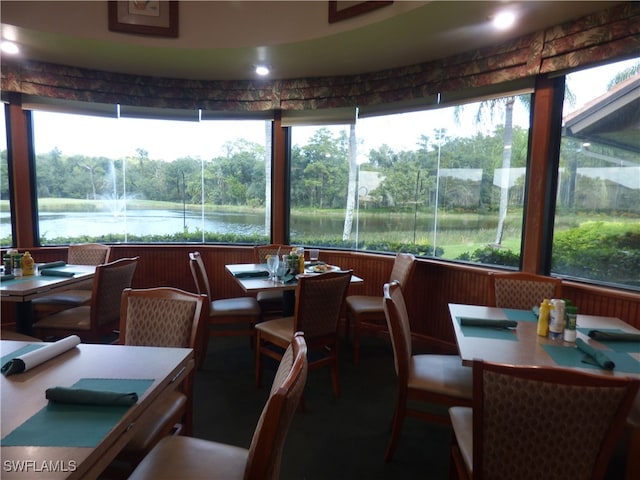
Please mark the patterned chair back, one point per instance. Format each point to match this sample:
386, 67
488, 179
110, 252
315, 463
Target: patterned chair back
88, 254
109, 282
544, 422
161, 317
261, 251
319, 304
521, 290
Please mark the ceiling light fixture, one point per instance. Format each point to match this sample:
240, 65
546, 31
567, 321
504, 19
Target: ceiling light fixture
262, 70
9, 48
504, 20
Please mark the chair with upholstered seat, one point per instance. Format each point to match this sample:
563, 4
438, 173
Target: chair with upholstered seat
270, 301
521, 290
227, 316
539, 422
80, 294
162, 317
99, 318
184, 457
365, 313
319, 300
437, 380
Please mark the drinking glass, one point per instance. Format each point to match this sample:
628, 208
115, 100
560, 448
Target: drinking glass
272, 263
314, 253
282, 270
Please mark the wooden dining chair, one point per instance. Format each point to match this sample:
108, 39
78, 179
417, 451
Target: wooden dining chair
521, 290
98, 319
365, 313
539, 422
439, 380
161, 317
186, 457
319, 300
228, 316
80, 294
270, 301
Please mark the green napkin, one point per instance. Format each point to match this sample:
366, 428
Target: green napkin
593, 355
56, 273
8, 276
82, 396
55, 264
487, 322
252, 274
605, 336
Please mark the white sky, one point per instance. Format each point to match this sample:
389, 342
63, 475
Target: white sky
95, 136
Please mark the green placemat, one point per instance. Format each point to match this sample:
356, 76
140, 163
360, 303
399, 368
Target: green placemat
15, 280
64, 425
570, 356
628, 347
488, 332
520, 315
20, 351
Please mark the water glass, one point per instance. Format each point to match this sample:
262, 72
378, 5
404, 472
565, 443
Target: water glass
314, 253
272, 263
282, 270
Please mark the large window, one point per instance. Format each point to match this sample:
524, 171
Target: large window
6, 236
151, 180
597, 221
446, 182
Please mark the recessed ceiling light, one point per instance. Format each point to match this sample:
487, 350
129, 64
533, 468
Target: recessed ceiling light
504, 20
9, 48
262, 70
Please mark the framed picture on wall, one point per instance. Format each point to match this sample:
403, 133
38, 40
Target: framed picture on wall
144, 17
341, 10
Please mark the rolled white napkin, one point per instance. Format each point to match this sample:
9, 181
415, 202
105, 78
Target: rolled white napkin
34, 358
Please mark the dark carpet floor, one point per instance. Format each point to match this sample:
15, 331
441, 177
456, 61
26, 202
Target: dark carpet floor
332, 439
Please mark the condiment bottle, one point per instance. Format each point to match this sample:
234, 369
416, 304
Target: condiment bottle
570, 328
556, 319
543, 318
300, 251
28, 264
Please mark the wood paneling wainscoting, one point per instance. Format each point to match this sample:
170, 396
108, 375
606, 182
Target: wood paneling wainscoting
434, 284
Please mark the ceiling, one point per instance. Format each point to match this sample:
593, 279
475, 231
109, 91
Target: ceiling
224, 40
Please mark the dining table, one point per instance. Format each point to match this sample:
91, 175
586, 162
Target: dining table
41, 438
22, 290
481, 333
254, 278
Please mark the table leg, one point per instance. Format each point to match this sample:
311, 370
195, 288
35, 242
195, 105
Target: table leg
288, 303
24, 318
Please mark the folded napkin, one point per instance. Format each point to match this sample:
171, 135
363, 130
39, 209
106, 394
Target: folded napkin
288, 278
487, 322
58, 263
56, 273
23, 362
82, 396
606, 336
594, 355
252, 274
6, 277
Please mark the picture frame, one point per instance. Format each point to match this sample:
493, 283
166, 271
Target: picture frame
342, 10
159, 17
